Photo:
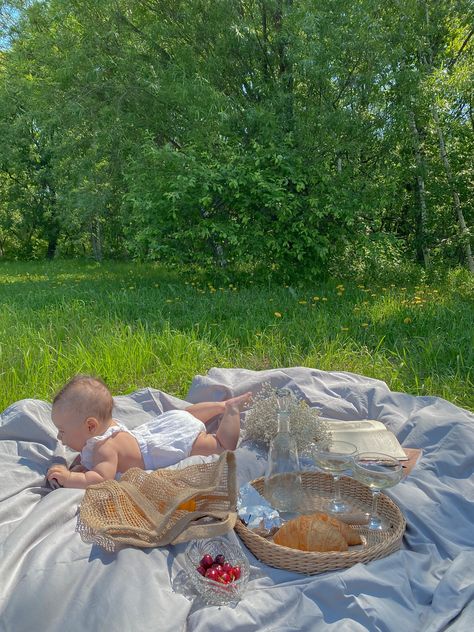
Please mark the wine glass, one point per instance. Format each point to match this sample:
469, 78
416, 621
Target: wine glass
378, 471
336, 458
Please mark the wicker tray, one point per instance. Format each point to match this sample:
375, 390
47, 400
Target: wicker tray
320, 486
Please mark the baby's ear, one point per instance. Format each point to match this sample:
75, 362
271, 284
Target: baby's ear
92, 424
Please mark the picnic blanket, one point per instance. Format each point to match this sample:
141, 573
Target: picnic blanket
50, 580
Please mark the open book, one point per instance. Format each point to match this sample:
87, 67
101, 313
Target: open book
367, 435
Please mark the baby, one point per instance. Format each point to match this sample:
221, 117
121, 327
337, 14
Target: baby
82, 413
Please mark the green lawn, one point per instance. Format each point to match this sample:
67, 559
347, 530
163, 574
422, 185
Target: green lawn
141, 325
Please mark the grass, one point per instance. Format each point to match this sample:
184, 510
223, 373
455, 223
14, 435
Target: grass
142, 325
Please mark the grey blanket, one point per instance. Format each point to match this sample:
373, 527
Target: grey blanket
50, 580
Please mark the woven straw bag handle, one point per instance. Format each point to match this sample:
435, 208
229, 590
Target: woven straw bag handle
186, 527
196, 531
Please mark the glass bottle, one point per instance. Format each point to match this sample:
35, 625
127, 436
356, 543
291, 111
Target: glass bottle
282, 485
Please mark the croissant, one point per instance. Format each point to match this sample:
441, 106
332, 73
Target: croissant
317, 532
351, 536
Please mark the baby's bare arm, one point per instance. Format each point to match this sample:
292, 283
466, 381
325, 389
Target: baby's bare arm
105, 461
78, 480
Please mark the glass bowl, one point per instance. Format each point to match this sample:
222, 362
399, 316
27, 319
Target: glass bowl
212, 592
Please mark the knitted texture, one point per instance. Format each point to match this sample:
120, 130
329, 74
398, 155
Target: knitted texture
147, 509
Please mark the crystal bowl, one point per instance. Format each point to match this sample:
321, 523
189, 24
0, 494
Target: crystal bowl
212, 592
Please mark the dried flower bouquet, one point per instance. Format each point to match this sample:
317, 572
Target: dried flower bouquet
306, 427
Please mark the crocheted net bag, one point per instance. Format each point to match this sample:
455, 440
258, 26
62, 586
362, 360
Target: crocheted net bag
148, 509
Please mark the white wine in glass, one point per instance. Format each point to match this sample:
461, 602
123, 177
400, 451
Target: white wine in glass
335, 459
377, 471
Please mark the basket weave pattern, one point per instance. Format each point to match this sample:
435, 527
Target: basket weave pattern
319, 485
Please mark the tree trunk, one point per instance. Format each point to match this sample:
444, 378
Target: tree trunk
96, 239
463, 230
52, 245
285, 69
420, 182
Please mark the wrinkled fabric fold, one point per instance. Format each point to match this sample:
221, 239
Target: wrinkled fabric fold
51, 581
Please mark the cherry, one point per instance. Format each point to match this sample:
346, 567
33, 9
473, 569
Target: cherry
226, 567
218, 568
211, 573
201, 570
219, 559
225, 578
236, 572
207, 561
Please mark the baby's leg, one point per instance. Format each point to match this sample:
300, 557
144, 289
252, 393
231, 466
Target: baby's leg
205, 411
228, 432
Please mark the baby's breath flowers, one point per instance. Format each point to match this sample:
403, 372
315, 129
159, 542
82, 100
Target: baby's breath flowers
306, 427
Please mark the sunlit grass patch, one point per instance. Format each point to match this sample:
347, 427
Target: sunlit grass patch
142, 325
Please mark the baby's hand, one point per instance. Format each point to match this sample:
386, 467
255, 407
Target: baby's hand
77, 468
58, 472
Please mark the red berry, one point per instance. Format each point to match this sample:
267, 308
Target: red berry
236, 572
218, 568
201, 570
226, 567
225, 578
219, 559
211, 573
207, 561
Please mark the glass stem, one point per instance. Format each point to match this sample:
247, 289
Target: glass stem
375, 500
337, 489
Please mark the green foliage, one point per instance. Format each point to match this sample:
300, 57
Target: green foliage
251, 207
289, 137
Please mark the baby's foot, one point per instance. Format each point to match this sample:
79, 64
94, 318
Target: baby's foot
236, 403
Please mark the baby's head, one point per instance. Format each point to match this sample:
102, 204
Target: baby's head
81, 409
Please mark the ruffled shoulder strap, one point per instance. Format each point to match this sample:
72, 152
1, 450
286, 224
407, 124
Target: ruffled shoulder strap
88, 450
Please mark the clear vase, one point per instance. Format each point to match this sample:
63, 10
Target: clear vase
282, 486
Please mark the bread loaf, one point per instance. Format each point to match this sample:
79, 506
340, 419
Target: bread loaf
316, 532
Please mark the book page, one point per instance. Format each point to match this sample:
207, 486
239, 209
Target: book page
367, 435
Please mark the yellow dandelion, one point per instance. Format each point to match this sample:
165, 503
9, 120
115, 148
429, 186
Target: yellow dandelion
339, 293
168, 300
302, 302
315, 298
344, 328
364, 324
324, 298
407, 321
277, 314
